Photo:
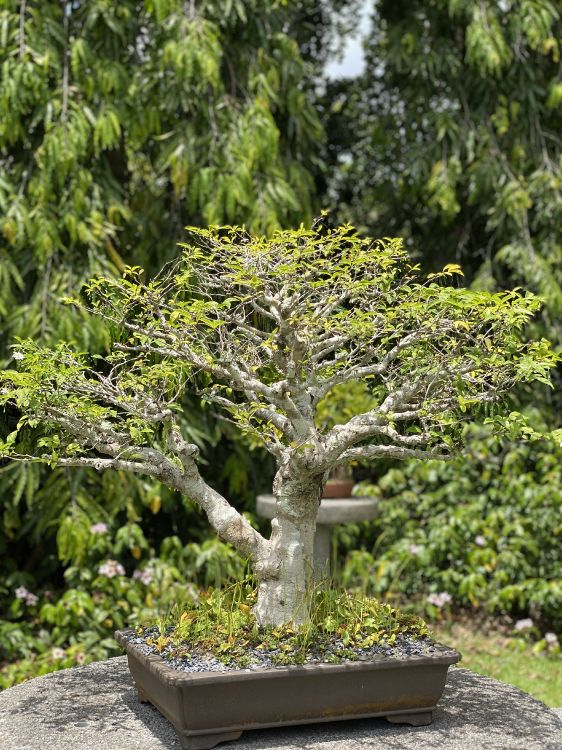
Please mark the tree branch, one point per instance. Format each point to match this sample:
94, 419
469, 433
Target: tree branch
101, 464
379, 368
440, 452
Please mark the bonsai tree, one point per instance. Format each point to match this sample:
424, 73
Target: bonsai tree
264, 330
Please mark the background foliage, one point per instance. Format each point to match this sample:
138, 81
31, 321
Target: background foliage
486, 529
451, 138
121, 122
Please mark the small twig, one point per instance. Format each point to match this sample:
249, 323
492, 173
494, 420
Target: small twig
45, 297
23, 5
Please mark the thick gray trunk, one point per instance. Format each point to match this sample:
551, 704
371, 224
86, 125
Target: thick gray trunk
285, 574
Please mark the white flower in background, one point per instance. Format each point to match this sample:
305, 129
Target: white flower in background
145, 576
525, 624
479, 541
58, 653
111, 568
551, 639
440, 599
18, 356
98, 528
26, 596
414, 549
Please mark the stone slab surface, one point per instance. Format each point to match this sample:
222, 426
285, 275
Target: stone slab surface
330, 511
96, 708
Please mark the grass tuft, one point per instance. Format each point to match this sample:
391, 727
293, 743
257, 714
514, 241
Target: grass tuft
221, 624
488, 651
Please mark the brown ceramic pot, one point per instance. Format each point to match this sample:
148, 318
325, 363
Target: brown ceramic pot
206, 708
338, 488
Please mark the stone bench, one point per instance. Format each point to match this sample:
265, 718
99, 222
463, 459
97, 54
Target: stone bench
96, 708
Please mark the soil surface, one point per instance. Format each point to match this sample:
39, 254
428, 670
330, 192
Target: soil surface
188, 657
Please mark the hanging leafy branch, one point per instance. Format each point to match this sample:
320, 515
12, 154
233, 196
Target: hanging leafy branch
165, 110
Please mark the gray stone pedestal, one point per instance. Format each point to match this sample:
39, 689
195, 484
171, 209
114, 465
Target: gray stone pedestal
331, 512
96, 708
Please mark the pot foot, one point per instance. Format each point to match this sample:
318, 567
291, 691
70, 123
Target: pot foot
142, 696
416, 720
205, 741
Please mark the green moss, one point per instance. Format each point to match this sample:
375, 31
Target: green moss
221, 624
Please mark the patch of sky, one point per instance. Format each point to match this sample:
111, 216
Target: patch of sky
351, 61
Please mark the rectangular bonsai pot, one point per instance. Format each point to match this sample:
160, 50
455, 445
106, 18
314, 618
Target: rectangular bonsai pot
206, 708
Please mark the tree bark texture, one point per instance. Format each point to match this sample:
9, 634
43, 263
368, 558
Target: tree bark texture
287, 568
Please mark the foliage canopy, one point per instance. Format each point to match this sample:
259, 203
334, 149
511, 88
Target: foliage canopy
264, 329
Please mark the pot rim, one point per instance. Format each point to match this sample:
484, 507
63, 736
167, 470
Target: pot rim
156, 664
